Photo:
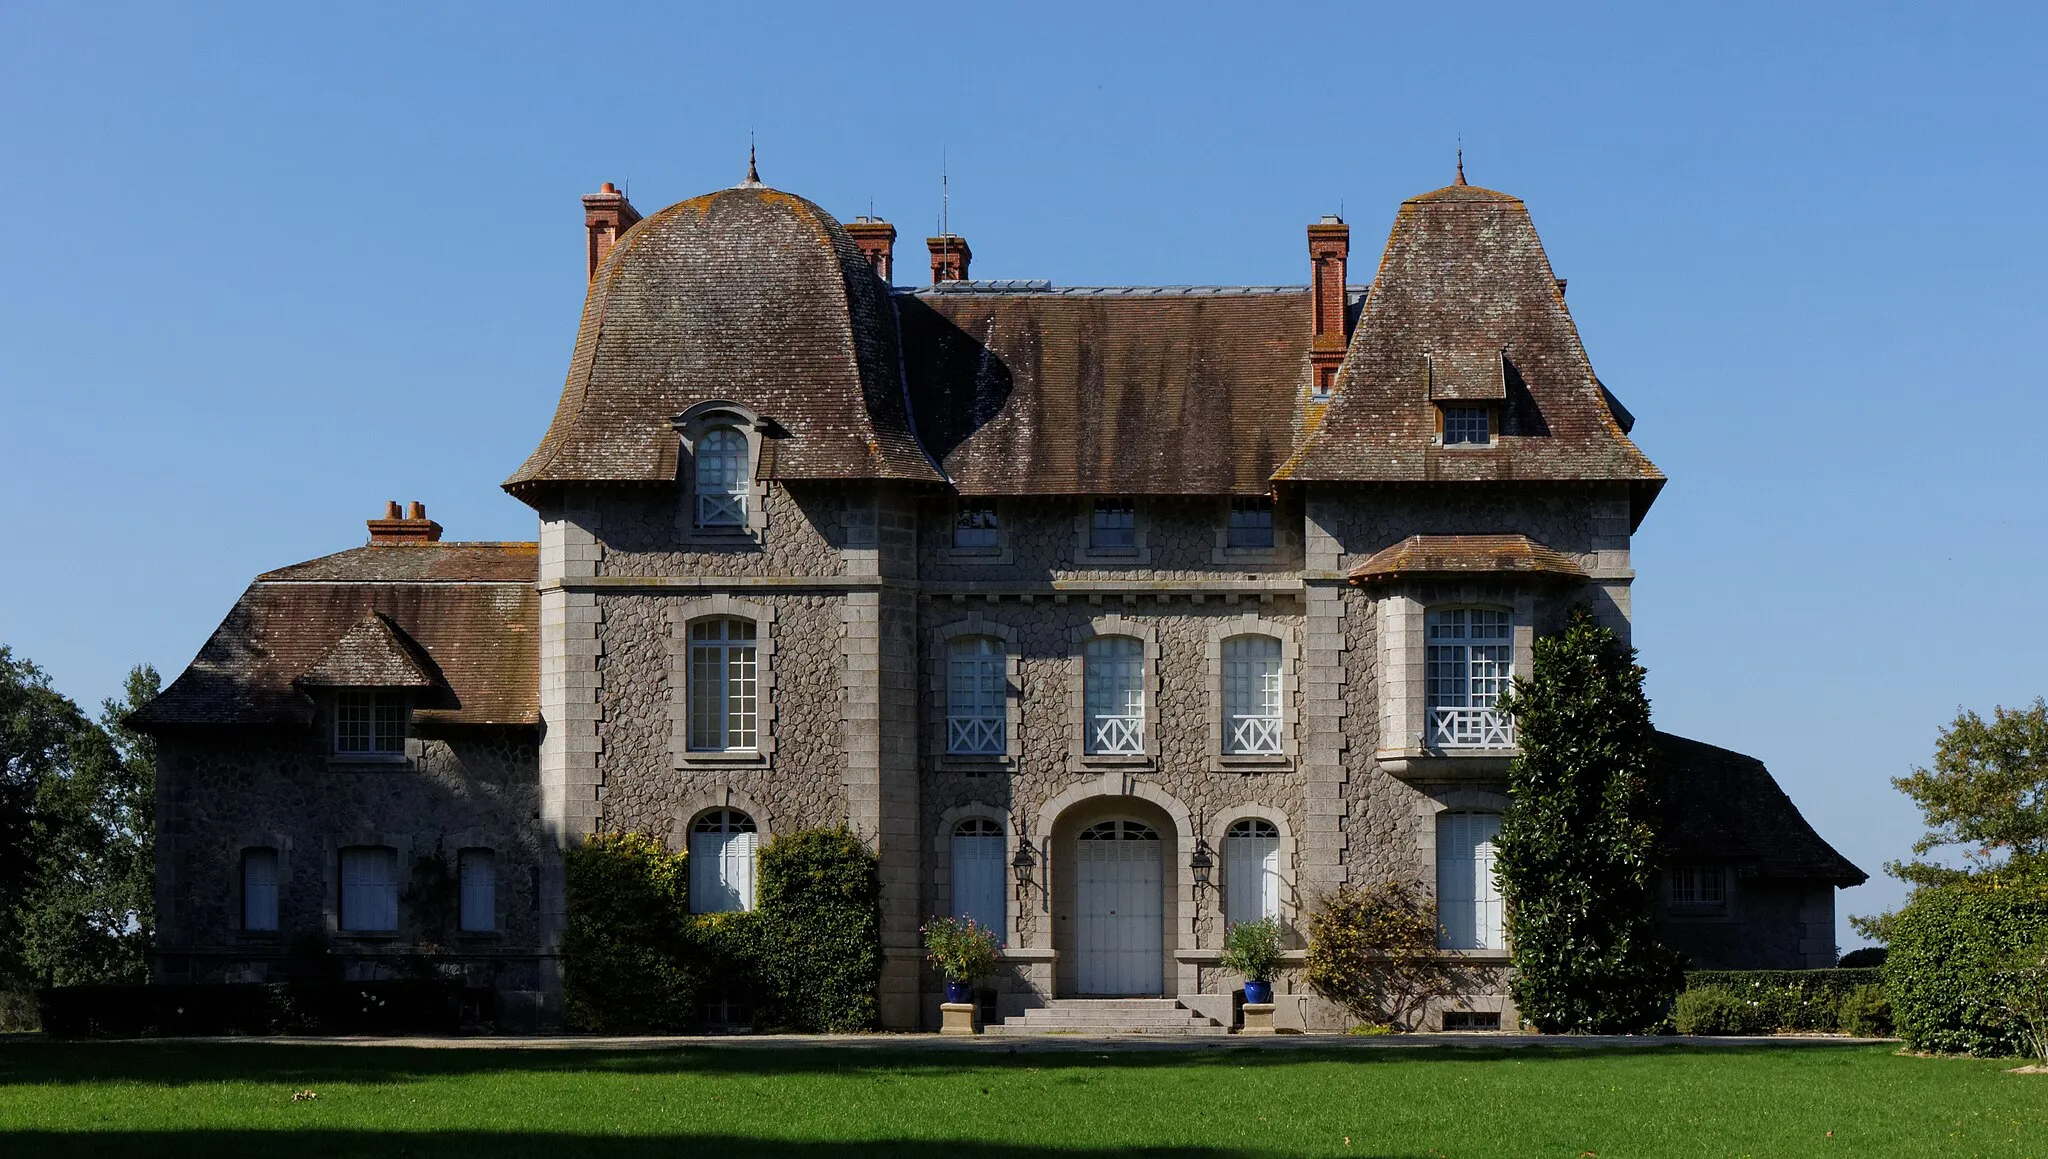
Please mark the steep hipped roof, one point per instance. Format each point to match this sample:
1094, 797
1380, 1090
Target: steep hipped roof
1420, 555
1724, 807
376, 653
469, 609
748, 295
1464, 281
1101, 390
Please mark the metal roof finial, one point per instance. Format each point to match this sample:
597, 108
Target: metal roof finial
1461, 161
753, 174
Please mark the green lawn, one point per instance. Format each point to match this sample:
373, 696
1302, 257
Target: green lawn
232, 1099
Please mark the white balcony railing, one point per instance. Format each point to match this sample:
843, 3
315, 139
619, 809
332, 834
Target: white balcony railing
1117, 735
1254, 735
974, 735
1470, 728
715, 510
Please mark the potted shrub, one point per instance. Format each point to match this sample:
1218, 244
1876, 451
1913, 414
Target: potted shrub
963, 951
1253, 949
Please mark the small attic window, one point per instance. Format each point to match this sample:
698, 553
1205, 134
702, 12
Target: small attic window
975, 527
370, 722
1468, 425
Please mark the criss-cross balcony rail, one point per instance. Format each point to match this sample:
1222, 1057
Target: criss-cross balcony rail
1117, 735
1255, 735
1470, 728
974, 735
715, 510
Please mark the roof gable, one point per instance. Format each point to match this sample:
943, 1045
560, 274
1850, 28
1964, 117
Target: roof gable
1724, 807
375, 653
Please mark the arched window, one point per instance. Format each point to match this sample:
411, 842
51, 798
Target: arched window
1251, 695
1470, 663
976, 705
1113, 680
724, 679
1467, 898
477, 872
1251, 866
978, 868
722, 845
369, 889
722, 478
259, 889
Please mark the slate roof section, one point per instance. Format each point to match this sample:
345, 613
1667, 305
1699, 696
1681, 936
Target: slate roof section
1466, 555
1109, 390
470, 610
376, 653
1464, 275
747, 295
1726, 808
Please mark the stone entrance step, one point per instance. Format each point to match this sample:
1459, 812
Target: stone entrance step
1084, 1016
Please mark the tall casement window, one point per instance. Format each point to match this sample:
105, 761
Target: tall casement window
369, 889
1467, 898
259, 889
369, 722
978, 872
1251, 522
1470, 662
1113, 526
1251, 867
1251, 695
722, 846
722, 478
1471, 425
976, 702
974, 526
477, 871
1113, 679
724, 679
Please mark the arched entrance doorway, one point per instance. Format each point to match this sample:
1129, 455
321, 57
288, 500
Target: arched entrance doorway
1119, 908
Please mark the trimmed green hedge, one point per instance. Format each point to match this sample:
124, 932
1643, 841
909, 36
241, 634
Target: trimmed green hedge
808, 957
1790, 1000
1947, 947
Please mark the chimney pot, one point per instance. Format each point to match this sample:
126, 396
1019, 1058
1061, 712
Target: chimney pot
950, 255
412, 526
416, 510
876, 240
391, 510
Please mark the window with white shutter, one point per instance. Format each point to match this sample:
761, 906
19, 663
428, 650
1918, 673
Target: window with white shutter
478, 872
259, 889
978, 871
722, 847
1251, 867
1467, 898
369, 889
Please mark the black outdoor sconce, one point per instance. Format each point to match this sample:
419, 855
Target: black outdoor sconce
1201, 863
1021, 866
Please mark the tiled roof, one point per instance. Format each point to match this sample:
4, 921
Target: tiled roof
470, 610
1125, 390
1466, 555
1463, 279
1725, 807
751, 296
376, 653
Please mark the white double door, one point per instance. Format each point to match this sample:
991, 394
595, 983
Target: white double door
1120, 905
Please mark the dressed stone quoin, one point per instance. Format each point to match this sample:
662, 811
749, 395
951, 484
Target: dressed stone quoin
1107, 615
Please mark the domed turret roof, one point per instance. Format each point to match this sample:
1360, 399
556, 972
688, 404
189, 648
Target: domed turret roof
748, 295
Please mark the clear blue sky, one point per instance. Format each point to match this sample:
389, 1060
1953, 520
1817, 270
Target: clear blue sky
264, 268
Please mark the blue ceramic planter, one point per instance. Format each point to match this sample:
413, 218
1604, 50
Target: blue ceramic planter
1258, 993
959, 991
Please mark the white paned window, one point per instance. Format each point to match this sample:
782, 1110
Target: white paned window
1470, 663
369, 889
370, 722
976, 702
1251, 695
722, 478
1699, 887
1467, 897
1113, 683
1467, 424
259, 889
724, 686
1114, 526
1251, 521
1251, 868
978, 869
722, 845
477, 870
974, 527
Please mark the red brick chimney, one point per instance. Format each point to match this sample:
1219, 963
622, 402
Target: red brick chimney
877, 240
606, 215
950, 256
1329, 245
411, 527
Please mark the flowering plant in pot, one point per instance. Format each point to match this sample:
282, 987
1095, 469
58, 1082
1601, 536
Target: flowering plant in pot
1253, 949
963, 950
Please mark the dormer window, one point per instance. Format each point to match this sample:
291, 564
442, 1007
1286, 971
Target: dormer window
722, 478
1114, 526
1251, 522
370, 723
1469, 425
975, 527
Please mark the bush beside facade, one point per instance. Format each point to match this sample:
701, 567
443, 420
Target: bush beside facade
1952, 949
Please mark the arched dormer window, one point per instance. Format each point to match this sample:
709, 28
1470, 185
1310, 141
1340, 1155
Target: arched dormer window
721, 482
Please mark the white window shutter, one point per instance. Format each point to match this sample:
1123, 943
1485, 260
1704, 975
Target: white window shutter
978, 868
259, 889
479, 874
1251, 886
1468, 901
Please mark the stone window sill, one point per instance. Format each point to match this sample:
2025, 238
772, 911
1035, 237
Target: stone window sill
1252, 763
721, 538
733, 757
973, 763
976, 556
367, 937
369, 762
1118, 760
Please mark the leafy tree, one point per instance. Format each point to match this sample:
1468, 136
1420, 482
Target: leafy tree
1988, 791
1577, 853
1372, 949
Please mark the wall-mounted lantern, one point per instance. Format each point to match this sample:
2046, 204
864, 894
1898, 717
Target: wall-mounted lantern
1202, 862
1021, 865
